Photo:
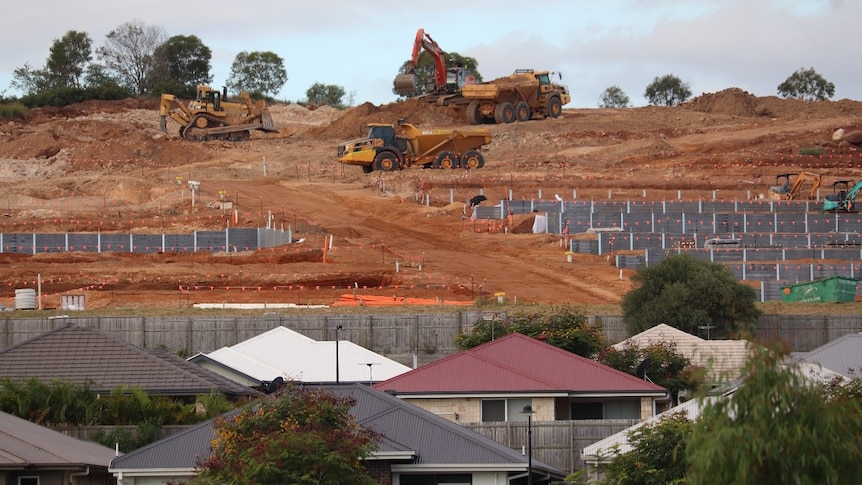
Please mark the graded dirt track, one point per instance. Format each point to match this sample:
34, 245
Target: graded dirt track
106, 167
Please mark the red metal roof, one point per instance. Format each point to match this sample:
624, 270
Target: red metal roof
516, 363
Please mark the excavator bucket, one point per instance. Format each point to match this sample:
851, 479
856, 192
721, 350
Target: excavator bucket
405, 84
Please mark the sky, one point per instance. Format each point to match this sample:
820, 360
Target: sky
753, 45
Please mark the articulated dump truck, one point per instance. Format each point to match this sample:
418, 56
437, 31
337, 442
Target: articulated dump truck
515, 98
383, 149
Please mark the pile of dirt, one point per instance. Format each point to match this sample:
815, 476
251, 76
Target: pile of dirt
734, 101
414, 111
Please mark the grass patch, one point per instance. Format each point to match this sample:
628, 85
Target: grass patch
816, 151
12, 110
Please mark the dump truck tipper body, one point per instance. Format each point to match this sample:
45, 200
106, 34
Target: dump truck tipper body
383, 149
515, 98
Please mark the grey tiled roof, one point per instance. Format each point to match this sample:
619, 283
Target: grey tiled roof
82, 354
404, 426
842, 355
26, 444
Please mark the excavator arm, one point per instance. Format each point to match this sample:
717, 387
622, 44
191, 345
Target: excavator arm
405, 84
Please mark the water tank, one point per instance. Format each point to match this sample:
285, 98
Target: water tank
25, 299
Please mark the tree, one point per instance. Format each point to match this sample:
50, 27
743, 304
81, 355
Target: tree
667, 90
807, 85
687, 294
181, 63
564, 326
129, 53
30, 80
426, 68
667, 367
320, 94
259, 73
776, 428
657, 456
68, 58
614, 97
300, 436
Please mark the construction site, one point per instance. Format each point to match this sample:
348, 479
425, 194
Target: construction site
100, 203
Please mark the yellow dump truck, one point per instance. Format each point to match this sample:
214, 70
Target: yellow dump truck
518, 97
384, 149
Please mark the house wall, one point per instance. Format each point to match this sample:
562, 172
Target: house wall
45, 477
469, 409
380, 471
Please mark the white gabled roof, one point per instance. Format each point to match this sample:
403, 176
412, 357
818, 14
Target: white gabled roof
724, 358
282, 352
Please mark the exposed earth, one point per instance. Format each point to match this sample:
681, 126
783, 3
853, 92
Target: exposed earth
106, 166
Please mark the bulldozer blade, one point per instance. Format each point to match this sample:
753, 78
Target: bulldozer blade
405, 84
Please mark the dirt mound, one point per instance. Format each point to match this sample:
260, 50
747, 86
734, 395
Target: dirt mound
415, 111
733, 101
40, 115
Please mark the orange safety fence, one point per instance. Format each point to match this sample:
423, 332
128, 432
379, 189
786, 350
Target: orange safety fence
378, 300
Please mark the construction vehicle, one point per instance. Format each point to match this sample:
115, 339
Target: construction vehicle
447, 81
788, 186
515, 98
385, 150
843, 197
210, 116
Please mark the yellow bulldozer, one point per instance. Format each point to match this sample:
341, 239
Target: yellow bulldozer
210, 116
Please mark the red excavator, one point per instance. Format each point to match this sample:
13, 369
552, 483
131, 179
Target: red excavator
447, 80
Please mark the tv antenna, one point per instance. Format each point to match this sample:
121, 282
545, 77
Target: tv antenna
641, 369
370, 365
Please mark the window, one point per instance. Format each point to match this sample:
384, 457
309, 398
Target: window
587, 410
606, 410
493, 410
504, 409
28, 480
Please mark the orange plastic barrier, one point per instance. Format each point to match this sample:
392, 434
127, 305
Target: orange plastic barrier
377, 300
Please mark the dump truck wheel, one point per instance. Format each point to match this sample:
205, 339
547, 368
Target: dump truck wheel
386, 162
555, 107
522, 111
446, 160
367, 168
472, 159
504, 113
474, 117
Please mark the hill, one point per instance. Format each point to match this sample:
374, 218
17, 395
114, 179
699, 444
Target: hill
106, 167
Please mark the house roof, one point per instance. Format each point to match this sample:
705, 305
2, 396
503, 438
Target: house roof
842, 355
86, 355
26, 444
407, 430
603, 450
516, 363
282, 352
721, 357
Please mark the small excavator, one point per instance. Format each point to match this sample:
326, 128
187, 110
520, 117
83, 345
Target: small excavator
447, 80
843, 197
789, 185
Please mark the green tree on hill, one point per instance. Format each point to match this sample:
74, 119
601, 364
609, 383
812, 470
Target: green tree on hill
668, 90
807, 85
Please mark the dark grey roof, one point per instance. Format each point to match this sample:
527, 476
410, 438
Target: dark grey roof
404, 426
26, 444
82, 354
842, 355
